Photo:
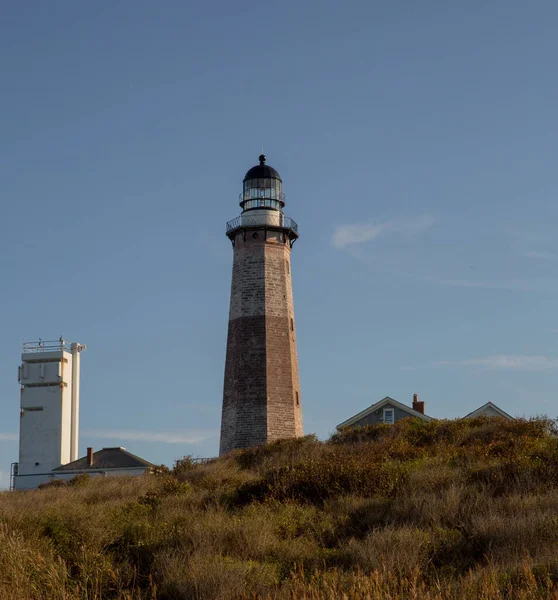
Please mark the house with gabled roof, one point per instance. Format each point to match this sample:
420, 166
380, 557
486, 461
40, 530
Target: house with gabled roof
390, 411
488, 410
386, 411
108, 461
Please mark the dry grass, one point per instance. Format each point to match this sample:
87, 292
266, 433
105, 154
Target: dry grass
436, 511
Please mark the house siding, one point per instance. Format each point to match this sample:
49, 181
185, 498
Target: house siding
487, 411
377, 416
373, 415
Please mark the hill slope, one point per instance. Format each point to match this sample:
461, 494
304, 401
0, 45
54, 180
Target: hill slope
448, 509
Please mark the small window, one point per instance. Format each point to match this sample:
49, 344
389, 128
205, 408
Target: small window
292, 325
288, 267
389, 416
297, 399
32, 408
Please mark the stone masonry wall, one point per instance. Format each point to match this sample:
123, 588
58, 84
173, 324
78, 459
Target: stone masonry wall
261, 386
244, 416
284, 416
244, 400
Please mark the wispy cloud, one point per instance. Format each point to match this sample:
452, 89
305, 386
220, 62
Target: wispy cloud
522, 236
8, 437
504, 361
540, 255
346, 235
184, 437
525, 240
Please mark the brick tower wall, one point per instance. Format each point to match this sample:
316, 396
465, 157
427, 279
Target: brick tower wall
261, 397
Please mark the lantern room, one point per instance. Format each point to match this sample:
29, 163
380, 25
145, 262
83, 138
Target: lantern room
262, 188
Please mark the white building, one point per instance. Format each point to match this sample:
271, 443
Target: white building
49, 414
49, 375
49, 421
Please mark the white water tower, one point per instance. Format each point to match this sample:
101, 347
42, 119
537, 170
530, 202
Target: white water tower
49, 416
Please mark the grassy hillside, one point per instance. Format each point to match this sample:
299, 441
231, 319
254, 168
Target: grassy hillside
450, 509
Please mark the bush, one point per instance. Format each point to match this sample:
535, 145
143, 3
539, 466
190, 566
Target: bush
432, 510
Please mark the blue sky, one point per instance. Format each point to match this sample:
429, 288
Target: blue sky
418, 147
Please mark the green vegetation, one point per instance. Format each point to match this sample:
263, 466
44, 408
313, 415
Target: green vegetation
460, 509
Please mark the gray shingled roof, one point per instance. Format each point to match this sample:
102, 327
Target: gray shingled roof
107, 458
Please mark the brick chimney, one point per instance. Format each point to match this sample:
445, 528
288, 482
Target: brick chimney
418, 406
90, 457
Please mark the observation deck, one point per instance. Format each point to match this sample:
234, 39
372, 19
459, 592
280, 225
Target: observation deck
269, 219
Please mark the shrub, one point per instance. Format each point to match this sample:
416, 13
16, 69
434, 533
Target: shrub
315, 481
217, 577
432, 510
276, 454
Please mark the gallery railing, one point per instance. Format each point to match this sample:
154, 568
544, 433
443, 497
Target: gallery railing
264, 219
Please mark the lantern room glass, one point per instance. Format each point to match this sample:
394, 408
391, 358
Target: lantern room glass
262, 193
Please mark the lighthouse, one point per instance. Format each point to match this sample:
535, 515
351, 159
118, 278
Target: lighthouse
261, 392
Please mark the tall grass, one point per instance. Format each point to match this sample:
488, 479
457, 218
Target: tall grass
441, 510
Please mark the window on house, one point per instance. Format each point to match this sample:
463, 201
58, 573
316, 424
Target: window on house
389, 416
297, 399
292, 325
288, 267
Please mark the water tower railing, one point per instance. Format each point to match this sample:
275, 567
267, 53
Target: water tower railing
47, 346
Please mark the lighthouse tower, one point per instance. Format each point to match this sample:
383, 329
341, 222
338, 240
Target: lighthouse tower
261, 396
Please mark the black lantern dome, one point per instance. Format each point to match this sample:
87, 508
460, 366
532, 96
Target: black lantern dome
262, 188
262, 170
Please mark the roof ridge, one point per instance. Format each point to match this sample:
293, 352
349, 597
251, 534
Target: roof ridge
106, 459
